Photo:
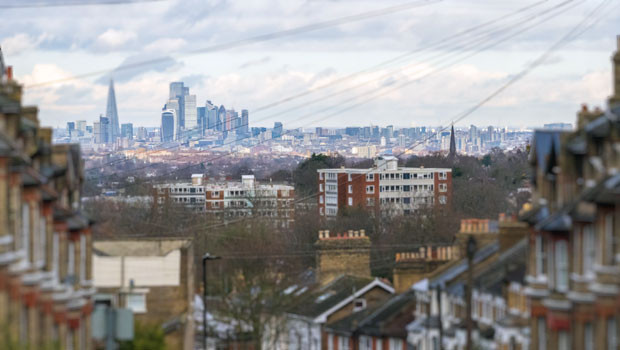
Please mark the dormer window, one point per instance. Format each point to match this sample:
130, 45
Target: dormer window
359, 305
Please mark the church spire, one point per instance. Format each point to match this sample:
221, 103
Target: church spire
452, 143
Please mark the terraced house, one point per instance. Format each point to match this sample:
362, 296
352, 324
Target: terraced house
573, 270
45, 243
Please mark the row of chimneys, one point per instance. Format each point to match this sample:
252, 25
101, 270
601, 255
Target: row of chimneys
430, 253
475, 225
324, 234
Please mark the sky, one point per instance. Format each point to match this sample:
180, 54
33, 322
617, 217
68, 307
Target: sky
403, 63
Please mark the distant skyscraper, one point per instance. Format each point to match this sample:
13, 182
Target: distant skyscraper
191, 117
245, 121
201, 112
127, 131
102, 130
177, 95
211, 114
80, 125
112, 114
277, 130
167, 125
221, 119
71, 128
173, 104
142, 134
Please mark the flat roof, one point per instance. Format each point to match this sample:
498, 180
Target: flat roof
371, 170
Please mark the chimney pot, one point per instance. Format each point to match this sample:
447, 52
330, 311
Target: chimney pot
9, 73
363, 233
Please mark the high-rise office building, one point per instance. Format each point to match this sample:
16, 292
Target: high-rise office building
102, 130
127, 131
167, 125
111, 114
211, 115
221, 119
80, 125
191, 116
173, 104
277, 130
70, 129
142, 134
245, 121
201, 112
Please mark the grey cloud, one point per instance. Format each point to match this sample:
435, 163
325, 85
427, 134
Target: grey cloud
137, 65
256, 62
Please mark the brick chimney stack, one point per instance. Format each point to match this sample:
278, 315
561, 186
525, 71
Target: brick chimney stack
342, 253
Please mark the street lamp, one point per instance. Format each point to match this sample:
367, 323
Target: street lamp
205, 257
471, 251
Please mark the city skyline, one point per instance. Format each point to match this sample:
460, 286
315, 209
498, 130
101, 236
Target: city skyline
263, 73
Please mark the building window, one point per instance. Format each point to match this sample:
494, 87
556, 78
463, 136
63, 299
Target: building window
396, 344
443, 187
320, 187
343, 343
563, 340
215, 193
359, 304
26, 231
350, 201
349, 177
82, 258
406, 176
542, 333
350, 188
41, 256
561, 265
321, 211
365, 342
588, 336
407, 188
541, 256
609, 239
612, 334
443, 199
370, 202
406, 200
330, 342
136, 302
370, 177
71, 259
321, 199
370, 189
443, 176
320, 176
589, 250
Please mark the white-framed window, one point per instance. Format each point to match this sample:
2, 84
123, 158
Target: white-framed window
589, 250
588, 336
609, 239
370, 202
541, 256
71, 258
321, 176
365, 342
443, 199
330, 342
216, 204
561, 265
563, 340
55, 253
41, 255
359, 304
541, 327
443, 175
370, 189
321, 211
320, 187
443, 187
321, 200
215, 193
350, 201
396, 344
136, 302
349, 177
612, 334
82, 258
370, 177
350, 189
26, 230
343, 343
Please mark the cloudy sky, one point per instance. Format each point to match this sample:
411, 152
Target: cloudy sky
415, 62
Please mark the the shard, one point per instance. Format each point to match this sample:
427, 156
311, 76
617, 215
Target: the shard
112, 114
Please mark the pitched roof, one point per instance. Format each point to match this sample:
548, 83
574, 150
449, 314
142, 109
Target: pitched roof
319, 302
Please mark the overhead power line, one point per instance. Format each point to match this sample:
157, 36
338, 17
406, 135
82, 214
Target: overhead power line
36, 4
587, 23
462, 49
250, 40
